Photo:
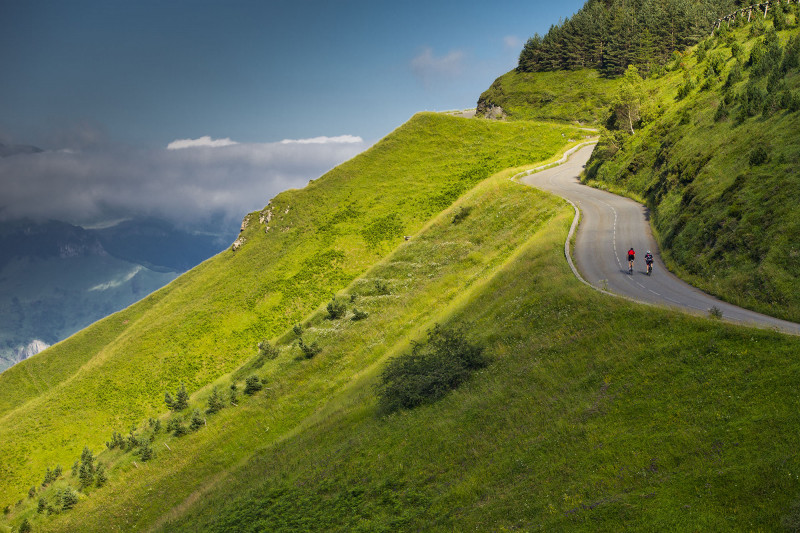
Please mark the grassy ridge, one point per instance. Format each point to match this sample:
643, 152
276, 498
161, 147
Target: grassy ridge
566, 96
439, 268
207, 322
725, 214
596, 414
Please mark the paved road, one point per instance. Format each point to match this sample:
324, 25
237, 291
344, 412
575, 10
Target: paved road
609, 226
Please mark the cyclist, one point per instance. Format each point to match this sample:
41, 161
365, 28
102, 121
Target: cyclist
648, 259
631, 257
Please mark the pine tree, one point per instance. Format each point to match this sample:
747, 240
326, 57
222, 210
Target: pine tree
215, 402
169, 401
233, 394
181, 400
86, 469
101, 477
197, 420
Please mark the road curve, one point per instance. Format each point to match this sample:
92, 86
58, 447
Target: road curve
609, 226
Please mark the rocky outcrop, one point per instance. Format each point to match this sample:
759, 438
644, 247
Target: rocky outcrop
489, 110
31, 349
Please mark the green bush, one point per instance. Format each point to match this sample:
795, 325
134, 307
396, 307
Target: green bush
461, 213
215, 402
25, 526
67, 498
758, 156
381, 287
266, 351
252, 385
336, 309
309, 351
429, 371
359, 315
196, 422
175, 425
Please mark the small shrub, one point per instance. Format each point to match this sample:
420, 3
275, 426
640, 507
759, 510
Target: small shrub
336, 309
687, 87
41, 506
267, 351
117, 441
25, 526
215, 402
715, 312
297, 329
181, 399
176, 427
252, 385
758, 156
233, 393
32, 492
101, 477
309, 351
461, 213
359, 315
67, 498
429, 371
197, 421
381, 287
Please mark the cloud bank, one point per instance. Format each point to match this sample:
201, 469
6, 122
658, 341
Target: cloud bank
205, 141
189, 182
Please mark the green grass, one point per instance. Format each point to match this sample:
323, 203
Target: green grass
207, 323
726, 225
595, 414
581, 96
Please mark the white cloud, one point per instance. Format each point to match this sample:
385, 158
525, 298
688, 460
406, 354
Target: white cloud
203, 142
114, 182
428, 67
325, 140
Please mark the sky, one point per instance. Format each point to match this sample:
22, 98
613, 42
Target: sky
183, 108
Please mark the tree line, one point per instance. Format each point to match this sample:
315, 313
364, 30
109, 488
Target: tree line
609, 35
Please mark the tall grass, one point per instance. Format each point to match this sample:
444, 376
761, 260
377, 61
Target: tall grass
208, 322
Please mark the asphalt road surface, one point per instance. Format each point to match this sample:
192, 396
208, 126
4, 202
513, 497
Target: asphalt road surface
609, 226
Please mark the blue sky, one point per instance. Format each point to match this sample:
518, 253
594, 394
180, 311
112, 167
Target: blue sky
89, 75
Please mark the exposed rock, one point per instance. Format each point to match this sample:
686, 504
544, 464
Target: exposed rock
266, 216
489, 110
31, 349
238, 243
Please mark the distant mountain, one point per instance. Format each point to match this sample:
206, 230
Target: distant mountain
57, 278
159, 245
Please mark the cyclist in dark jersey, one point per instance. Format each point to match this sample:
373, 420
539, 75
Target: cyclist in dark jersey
631, 257
648, 260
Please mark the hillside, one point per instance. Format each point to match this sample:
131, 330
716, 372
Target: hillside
576, 411
299, 250
717, 164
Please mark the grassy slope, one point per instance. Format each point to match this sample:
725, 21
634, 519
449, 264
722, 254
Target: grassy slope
207, 322
439, 268
596, 414
569, 96
726, 226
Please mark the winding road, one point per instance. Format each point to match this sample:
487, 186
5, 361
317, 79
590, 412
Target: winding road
609, 226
